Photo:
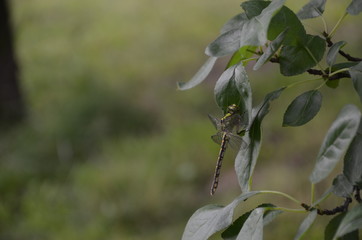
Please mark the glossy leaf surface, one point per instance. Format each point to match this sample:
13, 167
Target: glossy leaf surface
356, 75
352, 167
333, 51
306, 224
200, 76
355, 7
342, 187
351, 222
303, 108
233, 230
253, 226
336, 142
227, 43
254, 31
246, 159
233, 87
286, 19
297, 59
332, 227
312, 9
212, 218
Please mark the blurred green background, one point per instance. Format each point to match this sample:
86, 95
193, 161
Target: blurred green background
110, 148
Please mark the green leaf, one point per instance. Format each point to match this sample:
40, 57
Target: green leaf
352, 167
356, 75
200, 76
332, 226
286, 19
212, 218
283, 19
246, 158
303, 109
233, 87
240, 55
225, 44
233, 230
297, 59
333, 51
306, 224
355, 7
351, 222
271, 50
312, 9
235, 22
254, 31
253, 226
336, 142
254, 8
342, 187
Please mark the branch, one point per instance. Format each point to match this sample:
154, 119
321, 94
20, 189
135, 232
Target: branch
338, 209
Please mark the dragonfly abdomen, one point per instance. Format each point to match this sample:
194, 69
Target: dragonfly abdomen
224, 143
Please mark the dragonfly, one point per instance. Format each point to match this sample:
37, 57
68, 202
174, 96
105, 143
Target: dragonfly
229, 129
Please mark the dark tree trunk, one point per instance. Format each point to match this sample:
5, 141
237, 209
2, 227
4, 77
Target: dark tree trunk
11, 103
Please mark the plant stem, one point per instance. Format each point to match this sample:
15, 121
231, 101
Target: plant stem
300, 210
324, 24
338, 71
312, 192
337, 25
284, 195
304, 81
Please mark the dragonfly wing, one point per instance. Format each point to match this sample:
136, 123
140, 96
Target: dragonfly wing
217, 138
236, 142
215, 122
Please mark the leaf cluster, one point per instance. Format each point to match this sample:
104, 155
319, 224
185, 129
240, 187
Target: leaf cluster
268, 31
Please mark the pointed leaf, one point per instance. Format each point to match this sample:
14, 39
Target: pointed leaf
355, 7
332, 227
356, 75
254, 31
342, 187
352, 167
351, 222
306, 224
271, 50
225, 44
200, 76
235, 22
254, 8
303, 109
212, 218
333, 51
253, 226
233, 87
297, 59
336, 142
233, 230
283, 19
313, 9
246, 158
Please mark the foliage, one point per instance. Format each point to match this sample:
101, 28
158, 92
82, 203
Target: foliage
268, 31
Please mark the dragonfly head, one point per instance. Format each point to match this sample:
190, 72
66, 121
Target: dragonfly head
233, 109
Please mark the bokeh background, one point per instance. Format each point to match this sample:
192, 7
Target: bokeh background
111, 150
